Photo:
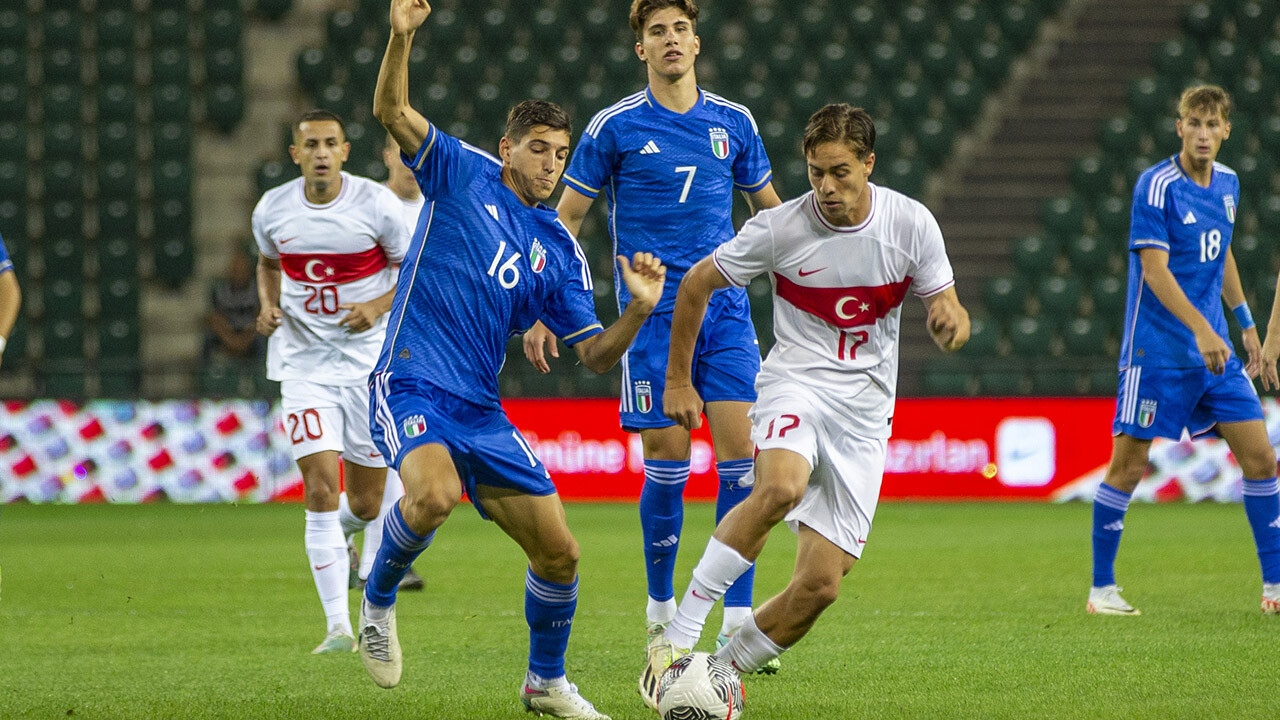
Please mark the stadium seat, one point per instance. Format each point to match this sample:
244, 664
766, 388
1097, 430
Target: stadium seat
963, 99
1089, 256
1091, 176
63, 257
172, 217
1085, 337
273, 173
910, 100
1108, 294
1034, 255
13, 101
1063, 217
13, 181
866, 23
1199, 22
118, 339
62, 296
61, 29
224, 105
15, 348
13, 28
1253, 95
118, 218
1175, 59
946, 376
1254, 19
174, 260
968, 23
223, 27
219, 380
61, 102
1226, 60
117, 102
315, 69
1269, 57
1103, 382
119, 377
335, 98
1030, 337
1054, 381
226, 65
1150, 97
115, 29
1119, 137
1269, 214
916, 24
1252, 254
991, 61
13, 217
934, 137
62, 180
273, 10
64, 380
1018, 23
170, 65
13, 140
117, 258
115, 65
1005, 297
13, 64
170, 141
886, 59
1002, 379
343, 30
171, 103
1111, 215
984, 338
64, 217
171, 179
1059, 296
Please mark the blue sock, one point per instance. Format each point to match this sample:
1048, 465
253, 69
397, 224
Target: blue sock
1109, 507
400, 547
1262, 506
548, 608
661, 517
730, 494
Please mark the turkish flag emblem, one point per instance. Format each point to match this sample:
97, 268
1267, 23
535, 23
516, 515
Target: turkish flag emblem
847, 307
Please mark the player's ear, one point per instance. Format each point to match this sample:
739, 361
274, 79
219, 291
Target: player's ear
293, 153
346, 151
504, 149
640, 51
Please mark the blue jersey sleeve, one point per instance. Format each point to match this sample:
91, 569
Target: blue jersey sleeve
592, 162
443, 163
751, 169
1147, 225
570, 312
6, 264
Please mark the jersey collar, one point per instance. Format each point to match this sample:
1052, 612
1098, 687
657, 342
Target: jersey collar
665, 112
817, 212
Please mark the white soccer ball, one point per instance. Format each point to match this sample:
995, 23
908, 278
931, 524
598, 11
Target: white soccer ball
699, 686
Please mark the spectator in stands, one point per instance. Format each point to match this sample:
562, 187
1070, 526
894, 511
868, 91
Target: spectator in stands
234, 312
10, 297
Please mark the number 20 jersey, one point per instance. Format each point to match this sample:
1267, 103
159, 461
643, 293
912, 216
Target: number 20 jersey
333, 254
837, 295
1193, 224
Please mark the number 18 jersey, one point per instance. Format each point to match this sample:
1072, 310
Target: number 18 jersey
1193, 224
330, 255
838, 295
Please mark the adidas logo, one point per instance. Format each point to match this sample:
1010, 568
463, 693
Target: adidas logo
670, 541
1275, 523
1116, 526
1189, 218
650, 148
493, 210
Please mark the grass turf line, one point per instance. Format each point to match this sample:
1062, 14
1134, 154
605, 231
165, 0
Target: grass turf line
957, 610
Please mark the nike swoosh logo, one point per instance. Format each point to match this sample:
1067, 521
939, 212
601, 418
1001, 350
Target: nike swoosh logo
321, 567
375, 454
802, 273
288, 240
695, 594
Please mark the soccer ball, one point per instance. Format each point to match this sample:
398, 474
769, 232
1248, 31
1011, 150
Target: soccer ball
699, 686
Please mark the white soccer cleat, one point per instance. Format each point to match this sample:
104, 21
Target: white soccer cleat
380, 648
1107, 601
659, 655
1271, 598
337, 641
560, 701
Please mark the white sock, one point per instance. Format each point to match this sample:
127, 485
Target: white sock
327, 551
391, 494
750, 649
734, 617
660, 611
350, 523
719, 567
537, 682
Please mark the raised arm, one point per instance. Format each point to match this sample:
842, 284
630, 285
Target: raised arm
644, 275
391, 97
1155, 272
680, 401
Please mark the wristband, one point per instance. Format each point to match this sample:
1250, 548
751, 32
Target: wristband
1243, 315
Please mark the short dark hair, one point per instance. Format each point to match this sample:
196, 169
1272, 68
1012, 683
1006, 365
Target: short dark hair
530, 113
318, 115
1207, 98
841, 122
642, 10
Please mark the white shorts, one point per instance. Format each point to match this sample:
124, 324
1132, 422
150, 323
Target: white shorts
329, 417
844, 486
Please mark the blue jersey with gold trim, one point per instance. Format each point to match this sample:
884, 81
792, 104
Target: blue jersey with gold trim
1193, 224
669, 177
481, 267
5, 263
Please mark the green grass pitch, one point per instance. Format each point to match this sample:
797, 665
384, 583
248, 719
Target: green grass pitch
957, 611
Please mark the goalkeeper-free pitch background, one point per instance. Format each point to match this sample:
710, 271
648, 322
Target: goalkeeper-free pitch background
957, 610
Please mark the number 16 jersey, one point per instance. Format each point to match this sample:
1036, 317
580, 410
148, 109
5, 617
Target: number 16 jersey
333, 254
837, 296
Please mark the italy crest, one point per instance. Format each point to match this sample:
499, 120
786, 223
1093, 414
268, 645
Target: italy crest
644, 396
415, 426
720, 142
537, 256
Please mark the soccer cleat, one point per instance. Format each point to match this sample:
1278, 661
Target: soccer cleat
1107, 601
770, 668
353, 570
561, 701
412, 581
380, 648
1271, 598
659, 655
337, 641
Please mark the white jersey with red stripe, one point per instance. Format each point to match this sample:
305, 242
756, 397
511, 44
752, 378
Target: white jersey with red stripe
330, 255
838, 294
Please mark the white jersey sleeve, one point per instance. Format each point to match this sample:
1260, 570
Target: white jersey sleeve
747, 254
261, 236
393, 232
933, 272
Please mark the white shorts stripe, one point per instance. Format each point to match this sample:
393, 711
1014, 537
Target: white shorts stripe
381, 383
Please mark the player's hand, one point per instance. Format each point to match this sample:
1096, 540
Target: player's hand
269, 319
408, 15
645, 276
1213, 349
361, 317
536, 341
948, 324
1267, 361
1252, 350
683, 405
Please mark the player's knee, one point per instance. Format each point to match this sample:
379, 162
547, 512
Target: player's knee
320, 497
815, 593
364, 508
779, 494
429, 504
1258, 464
558, 562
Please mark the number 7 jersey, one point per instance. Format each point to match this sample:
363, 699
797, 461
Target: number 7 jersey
330, 255
837, 295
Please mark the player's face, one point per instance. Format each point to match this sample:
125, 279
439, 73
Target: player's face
319, 149
839, 181
668, 45
1202, 133
535, 163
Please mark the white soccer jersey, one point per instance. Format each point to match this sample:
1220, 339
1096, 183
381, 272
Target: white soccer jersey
838, 293
412, 209
330, 255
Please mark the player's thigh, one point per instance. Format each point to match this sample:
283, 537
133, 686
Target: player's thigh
431, 483
538, 525
784, 426
364, 486
1249, 443
730, 429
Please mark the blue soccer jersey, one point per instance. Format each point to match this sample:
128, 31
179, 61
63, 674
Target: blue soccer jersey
669, 178
482, 266
1193, 224
5, 263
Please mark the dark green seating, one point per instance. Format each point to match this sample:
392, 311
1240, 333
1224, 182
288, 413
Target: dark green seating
13, 140
916, 23
963, 99
1103, 382
1018, 23
906, 175
226, 66
118, 218
169, 28
991, 61
13, 218
1199, 21
1002, 378
63, 257
62, 296
1268, 54
13, 64
222, 27
934, 137
171, 179
13, 181
1254, 95
61, 103
1269, 214
115, 65
115, 29
224, 104
117, 102
273, 173
13, 101
62, 180
343, 29
15, 348
1150, 97
1226, 60
64, 217
336, 98
1119, 136
885, 59
1085, 337
866, 23
1175, 59
61, 29
174, 260
1112, 218
1254, 19
315, 69
172, 218
1108, 294
969, 24
118, 297
362, 68
273, 9
1252, 254
118, 339
1034, 255
910, 100
984, 338
171, 103
1059, 296
1030, 337
170, 65
947, 376
117, 258
1089, 256
1063, 217
13, 28
1091, 176
170, 141
1054, 380
1005, 297
64, 379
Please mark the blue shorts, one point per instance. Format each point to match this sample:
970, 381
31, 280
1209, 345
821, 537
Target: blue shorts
406, 413
1161, 402
726, 360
